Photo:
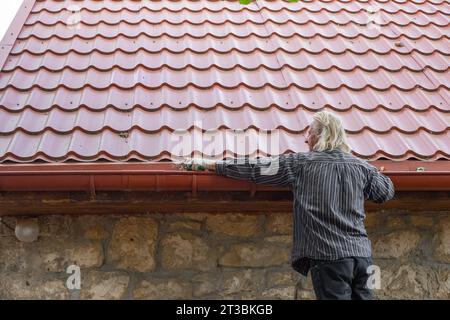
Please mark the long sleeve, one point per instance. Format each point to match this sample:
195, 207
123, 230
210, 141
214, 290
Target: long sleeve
274, 171
379, 188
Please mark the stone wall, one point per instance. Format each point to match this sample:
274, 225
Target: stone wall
204, 256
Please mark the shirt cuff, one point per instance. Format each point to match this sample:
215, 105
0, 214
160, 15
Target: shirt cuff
220, 167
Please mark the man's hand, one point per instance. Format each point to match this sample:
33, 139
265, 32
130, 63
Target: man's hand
198, 164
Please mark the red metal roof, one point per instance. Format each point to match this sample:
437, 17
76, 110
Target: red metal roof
90, 80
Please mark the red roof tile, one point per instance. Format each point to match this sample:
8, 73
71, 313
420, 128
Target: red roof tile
89, 80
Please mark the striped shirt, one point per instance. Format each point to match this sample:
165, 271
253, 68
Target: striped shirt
329, 191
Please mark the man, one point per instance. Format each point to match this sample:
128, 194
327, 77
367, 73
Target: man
329, 187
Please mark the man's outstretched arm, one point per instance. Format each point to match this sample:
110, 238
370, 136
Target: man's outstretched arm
275, 171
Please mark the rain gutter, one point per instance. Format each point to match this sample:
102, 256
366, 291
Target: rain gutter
165, 176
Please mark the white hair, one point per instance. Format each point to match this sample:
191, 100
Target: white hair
330, 132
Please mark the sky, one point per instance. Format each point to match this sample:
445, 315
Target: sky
8, 10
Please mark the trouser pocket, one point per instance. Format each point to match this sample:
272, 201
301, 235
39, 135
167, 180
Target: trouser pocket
332, 279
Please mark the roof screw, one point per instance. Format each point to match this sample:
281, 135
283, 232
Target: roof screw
420, 169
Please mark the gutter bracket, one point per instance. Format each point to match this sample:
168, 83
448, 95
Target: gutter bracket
126, 181
252, 189
157, 183
92, 186
194, 186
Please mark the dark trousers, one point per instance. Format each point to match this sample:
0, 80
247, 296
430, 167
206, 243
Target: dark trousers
343, 279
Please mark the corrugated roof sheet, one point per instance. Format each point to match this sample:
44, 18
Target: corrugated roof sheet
89, 80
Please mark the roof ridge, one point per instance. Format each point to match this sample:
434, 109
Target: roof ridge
14, 29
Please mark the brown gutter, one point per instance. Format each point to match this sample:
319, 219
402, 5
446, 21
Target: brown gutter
92, 177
